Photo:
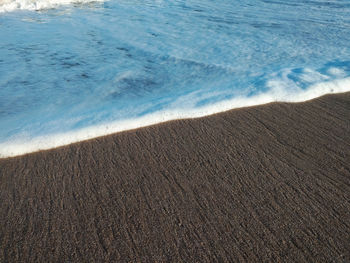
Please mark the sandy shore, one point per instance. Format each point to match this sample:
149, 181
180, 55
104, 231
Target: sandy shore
267, 183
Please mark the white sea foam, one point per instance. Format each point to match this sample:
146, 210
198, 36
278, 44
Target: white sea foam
12, 5
276, 93
336, 72
311, 76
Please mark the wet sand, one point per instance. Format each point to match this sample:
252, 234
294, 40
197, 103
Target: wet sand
266, 183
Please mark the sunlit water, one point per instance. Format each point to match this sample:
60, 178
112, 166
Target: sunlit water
70, 72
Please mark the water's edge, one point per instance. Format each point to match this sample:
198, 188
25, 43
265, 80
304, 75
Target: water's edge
18, 147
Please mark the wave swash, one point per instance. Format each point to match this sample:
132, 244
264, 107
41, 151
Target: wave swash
74, 72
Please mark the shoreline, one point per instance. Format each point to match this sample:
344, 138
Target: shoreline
53, 141
262, 183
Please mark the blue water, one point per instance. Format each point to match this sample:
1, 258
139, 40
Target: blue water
74, 71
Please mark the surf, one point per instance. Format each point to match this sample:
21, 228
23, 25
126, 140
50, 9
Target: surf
22, 146
73, 72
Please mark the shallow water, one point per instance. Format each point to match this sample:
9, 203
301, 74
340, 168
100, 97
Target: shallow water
73, 71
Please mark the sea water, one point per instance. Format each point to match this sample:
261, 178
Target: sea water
74, 70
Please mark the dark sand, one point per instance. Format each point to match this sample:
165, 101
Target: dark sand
267, 183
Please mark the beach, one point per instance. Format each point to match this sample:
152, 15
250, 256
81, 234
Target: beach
264, 183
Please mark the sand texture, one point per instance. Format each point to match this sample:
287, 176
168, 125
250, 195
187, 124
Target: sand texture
266, 183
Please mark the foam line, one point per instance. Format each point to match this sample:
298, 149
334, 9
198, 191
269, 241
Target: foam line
276, 93
12, 5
